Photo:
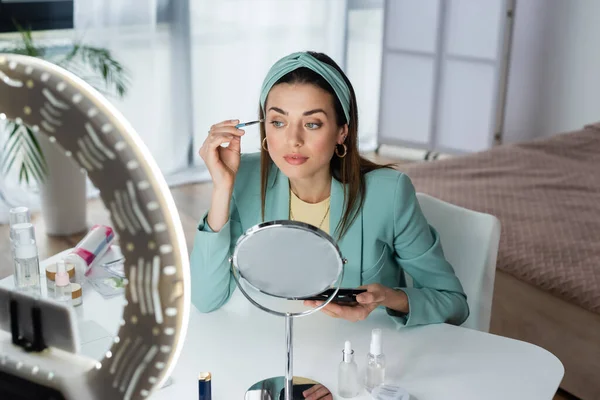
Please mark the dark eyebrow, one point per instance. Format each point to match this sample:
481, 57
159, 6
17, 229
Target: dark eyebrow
318, 110
279, 110
311, 112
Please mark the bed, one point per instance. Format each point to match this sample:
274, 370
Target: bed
546, 194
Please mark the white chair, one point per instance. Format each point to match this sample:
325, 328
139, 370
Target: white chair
470, 241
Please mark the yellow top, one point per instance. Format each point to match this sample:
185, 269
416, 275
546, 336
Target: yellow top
315, 214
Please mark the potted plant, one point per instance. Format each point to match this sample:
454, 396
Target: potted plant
61, 184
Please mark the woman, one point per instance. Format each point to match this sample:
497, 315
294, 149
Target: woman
309, 170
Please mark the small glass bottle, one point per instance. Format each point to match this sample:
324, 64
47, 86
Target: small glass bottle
375, 374
348, 379
27, 266
62, 284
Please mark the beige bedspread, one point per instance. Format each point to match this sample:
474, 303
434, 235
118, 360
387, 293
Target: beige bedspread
546, 194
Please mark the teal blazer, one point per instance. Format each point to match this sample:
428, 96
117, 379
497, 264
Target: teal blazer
389, 238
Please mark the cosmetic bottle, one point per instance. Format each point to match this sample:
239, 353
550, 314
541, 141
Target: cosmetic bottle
17, 215
62, 284
348, 379
375, 374
51, 276
90, 249
27, 267
76, 294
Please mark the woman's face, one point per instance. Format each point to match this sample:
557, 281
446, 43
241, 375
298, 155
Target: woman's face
301, 129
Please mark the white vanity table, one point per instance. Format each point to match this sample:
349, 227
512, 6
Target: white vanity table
240, 345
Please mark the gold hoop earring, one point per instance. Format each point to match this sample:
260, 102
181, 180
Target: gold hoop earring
337, 153
264, 144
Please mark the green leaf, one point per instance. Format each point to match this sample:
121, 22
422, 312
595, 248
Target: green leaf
36, 144
33, 151
23, 174
11, 136
30, 48
72, 53
11, 152
26, 171
7, 162
34, 170
22, 141
95, 65
7, 166
80, 58
101, 62
36, 166
12, 125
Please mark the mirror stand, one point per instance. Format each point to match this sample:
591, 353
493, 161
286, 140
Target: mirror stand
289, 365
326, 258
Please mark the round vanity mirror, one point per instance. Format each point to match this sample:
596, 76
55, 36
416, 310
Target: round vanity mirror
146, 325
276, 264
288, 259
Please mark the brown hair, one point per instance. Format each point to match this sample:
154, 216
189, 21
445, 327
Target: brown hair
349, 170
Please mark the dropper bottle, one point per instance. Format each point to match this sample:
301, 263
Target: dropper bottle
348, 380
62, 289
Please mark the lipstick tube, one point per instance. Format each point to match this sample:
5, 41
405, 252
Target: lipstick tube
204, 386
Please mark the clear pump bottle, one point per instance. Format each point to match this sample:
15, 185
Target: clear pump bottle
27, 267
16, 216
348, 379
375, 374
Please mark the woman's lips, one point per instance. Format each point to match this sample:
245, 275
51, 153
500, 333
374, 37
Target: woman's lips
295, 159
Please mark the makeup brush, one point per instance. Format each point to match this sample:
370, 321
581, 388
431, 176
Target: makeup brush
243, 124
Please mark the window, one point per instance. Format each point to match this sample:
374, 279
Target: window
36, 14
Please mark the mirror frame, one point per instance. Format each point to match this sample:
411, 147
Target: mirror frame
238, 276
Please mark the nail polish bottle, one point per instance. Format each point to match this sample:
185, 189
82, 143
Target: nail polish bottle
375, 362
348, 380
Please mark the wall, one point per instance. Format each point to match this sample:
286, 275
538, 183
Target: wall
571, 88
554, 81
233, 45
152, 104
523, 100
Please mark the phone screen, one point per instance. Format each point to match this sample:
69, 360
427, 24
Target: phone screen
343, 296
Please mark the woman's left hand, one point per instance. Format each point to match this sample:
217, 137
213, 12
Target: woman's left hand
317, 392
375, 296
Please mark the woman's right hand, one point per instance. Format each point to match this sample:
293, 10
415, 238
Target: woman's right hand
222, 162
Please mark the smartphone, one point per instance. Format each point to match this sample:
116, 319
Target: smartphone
298, 391
58, 321
346, 297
